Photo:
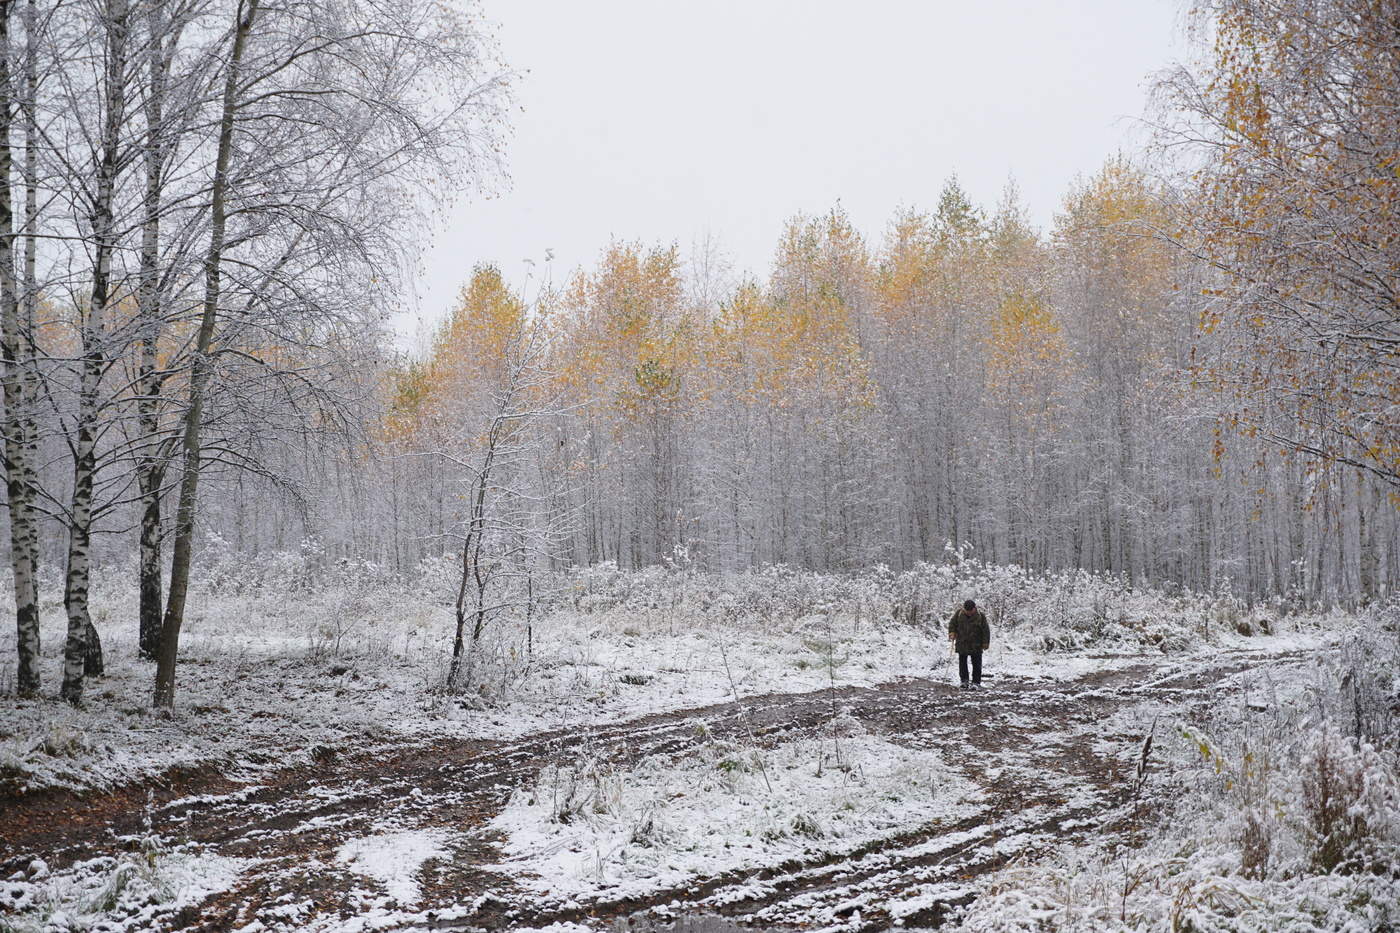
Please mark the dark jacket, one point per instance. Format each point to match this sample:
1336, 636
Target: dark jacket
971, 629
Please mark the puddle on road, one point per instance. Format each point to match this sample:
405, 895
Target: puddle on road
690, 923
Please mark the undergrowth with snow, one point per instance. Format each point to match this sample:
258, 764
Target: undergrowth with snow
131, 893
1276, 812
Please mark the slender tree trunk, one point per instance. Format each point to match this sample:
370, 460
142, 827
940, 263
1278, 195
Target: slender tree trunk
75, 589
82, 653
150, 568
151, 469
29, 297
472, 571
25, 546
16, 346
1368, 553
459, 639
199, 376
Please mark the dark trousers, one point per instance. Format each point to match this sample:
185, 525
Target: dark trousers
976, 657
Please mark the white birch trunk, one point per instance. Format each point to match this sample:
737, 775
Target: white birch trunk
17, 350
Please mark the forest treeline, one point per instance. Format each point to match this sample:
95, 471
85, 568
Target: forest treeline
208, 208
965, 379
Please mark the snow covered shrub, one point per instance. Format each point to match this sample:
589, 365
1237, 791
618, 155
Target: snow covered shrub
587, 786
328, 636
649, 831
142, 890
93, 892
1368, 699
132, 879
804, 824
1256, 842
63, 741
1388, 619
223, 569
1278, 812
500, 662
1351, 803
1310, 792
434, 579
1069, 609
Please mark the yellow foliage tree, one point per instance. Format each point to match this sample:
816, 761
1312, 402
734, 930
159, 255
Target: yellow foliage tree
1298, 207
465, 358
1027, 358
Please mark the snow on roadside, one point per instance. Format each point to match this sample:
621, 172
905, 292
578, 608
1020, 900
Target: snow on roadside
1275, 806
394, 859
585, 831
133, 892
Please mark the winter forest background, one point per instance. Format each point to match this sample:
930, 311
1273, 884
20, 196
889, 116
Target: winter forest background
629, 581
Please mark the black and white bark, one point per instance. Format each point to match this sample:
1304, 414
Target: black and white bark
82, 651
162, 39
17, 368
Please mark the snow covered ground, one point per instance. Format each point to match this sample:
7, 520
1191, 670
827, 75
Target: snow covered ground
803, 813
584, 829
393, 859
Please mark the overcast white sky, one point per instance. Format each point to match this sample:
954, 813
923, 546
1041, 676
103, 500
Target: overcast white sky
665, 120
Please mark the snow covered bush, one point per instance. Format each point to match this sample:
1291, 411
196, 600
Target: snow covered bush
1351, 805
303, 650
1064, 611
224, 569
133, 892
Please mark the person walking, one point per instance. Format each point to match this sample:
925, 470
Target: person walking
970, 634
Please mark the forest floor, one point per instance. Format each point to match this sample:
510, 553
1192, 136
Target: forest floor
850, 808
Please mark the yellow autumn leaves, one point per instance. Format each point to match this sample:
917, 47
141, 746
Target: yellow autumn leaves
952, 290
1297, 211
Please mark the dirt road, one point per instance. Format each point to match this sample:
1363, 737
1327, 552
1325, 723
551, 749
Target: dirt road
1051, 764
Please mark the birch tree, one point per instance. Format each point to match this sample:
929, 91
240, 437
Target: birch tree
162, 264
508, 534
100, 196
16, 320
245, 17
332, 125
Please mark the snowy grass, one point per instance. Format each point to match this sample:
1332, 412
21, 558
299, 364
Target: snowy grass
287, 659
132, 892
286, 662
585, 830
1278, 812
